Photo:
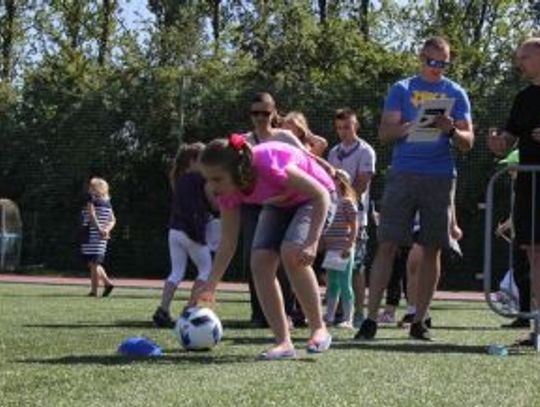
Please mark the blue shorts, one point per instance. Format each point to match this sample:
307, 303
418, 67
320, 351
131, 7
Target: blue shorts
277, 225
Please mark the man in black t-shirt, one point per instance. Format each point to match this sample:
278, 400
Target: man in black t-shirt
523, 126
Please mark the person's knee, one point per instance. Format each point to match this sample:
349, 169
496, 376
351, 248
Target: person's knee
387, 249
175, 277
288, 256
263, 263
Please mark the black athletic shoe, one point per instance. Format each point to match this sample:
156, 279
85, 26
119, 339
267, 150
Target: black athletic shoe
518, 323
107, 290
162, 319
90, 294
367, 330
409, 318
420, 331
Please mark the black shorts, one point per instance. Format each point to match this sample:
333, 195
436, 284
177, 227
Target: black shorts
526, 211
93, 258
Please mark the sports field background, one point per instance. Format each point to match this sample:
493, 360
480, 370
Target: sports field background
58, 349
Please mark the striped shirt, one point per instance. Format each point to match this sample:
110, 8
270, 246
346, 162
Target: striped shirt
338, 235
95, 244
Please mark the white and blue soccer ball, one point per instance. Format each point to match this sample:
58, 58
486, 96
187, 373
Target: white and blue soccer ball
198, 329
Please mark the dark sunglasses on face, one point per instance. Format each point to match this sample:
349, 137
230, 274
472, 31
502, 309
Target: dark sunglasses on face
263, 113
436, 63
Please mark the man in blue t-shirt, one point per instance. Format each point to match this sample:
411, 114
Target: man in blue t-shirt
421, 178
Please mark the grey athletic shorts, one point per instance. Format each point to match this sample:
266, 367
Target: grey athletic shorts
406, 193
277, 225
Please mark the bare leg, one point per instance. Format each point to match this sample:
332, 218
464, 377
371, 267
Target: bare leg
413, 270
430, 270
103, 275
169, 288
264, 264
94, 278
359, 286
380, 275
306, 288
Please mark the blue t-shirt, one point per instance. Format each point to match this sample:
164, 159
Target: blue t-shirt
431, 158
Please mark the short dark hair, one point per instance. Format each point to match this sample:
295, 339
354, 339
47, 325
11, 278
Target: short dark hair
345, 113
437, 42
264, 97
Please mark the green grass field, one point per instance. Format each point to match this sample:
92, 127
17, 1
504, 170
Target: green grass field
57, 348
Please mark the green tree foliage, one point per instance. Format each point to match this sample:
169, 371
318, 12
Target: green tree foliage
83, 93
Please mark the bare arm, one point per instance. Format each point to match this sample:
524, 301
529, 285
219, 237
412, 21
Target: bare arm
92, 215
353, 227
361, 183
111, 224
288, 137
318, 144
391, 127
464, 135
300, 182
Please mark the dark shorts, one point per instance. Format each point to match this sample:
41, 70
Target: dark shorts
277, 225
93, 258
527, 210
404, 195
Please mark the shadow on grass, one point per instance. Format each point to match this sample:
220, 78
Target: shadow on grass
227, 324
86, 325
418, 348
465, 328
183, 358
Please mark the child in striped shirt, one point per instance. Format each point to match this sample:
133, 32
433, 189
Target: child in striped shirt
340, 238
97, 221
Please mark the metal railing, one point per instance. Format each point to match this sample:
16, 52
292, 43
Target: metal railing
534, 170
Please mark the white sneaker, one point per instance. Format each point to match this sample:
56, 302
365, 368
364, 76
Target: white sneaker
345, 325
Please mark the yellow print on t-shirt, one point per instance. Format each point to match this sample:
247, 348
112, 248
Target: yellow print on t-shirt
418, 97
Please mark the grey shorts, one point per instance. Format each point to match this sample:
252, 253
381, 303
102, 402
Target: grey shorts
277, 225
404, 195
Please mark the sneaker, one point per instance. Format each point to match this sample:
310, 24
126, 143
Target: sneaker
107, 290
367, 330
345, 325
409, 318
387, 317
420, 331
518, 323
358, 320
91, 294
162, 318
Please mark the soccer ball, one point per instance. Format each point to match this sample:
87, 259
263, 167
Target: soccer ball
198, 329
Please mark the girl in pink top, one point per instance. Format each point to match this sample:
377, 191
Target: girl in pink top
298, 196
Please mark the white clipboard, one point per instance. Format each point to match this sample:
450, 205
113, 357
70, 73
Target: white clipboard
423, 129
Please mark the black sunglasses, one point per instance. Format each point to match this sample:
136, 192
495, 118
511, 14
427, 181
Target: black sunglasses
260, 113
436, 63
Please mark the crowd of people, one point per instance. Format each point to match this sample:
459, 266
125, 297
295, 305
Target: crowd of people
273, 188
